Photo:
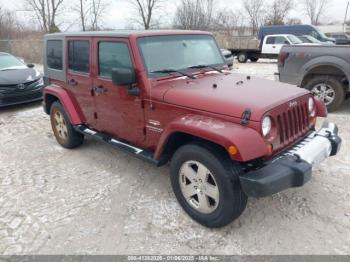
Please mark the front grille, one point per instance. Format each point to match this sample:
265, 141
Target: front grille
292, 123
7, 89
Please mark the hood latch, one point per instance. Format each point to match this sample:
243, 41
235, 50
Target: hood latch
246, 116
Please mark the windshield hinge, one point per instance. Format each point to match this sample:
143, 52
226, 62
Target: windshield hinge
246, 116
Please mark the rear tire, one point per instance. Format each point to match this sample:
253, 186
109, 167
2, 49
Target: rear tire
63, 130
214, 199
254, 59
328, 89
242, 57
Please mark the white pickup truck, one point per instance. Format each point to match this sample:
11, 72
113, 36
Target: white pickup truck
270, 47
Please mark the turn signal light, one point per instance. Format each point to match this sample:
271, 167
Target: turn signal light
269, 149
313, 121
232, 150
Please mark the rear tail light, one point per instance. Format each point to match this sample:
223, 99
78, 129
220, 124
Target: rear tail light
282, 58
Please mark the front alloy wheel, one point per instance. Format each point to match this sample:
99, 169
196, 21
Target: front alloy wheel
199, 187
206, 184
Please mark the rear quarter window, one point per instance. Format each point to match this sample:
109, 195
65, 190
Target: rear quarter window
54, 55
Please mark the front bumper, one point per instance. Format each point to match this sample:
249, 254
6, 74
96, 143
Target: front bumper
15, 98
293, 168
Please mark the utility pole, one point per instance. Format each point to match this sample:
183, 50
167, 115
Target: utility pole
346, 15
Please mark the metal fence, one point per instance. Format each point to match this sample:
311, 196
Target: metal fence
28, 49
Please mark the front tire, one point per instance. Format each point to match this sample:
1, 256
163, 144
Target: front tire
330, 90
207, 186
63, 130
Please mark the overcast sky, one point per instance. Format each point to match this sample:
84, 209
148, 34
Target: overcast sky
119, 12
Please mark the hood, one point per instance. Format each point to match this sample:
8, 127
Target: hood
229, 94
18, 76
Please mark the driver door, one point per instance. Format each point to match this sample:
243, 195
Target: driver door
119, 114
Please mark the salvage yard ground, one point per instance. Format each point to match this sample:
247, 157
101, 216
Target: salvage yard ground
95, 200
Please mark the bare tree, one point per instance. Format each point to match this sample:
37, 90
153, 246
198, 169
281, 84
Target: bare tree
8, 24
315, 9
278, 11
227, 20
194, 14
82, 9
90, 13
146, 11
46, 12
294, 21
254, 9
97, 9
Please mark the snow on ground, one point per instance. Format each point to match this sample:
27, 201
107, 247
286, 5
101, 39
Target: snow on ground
95, 200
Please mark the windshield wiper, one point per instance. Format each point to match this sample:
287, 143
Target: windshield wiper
206, 66
7, 69
169, 71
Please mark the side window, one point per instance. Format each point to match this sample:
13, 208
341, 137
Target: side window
270, 40
79, 55
54, 57
112, 55
280, 40
315, 34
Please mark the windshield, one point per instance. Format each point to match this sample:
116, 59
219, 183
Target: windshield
178, 52
8, 62
305, 39
294, 40
312, 39
322, 35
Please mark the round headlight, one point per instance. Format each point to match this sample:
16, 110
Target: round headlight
311, 105
266, 126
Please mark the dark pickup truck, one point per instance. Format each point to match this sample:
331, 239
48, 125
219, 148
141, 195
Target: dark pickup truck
324, 70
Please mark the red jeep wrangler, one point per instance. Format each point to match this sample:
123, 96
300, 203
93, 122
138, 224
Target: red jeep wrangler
167, 96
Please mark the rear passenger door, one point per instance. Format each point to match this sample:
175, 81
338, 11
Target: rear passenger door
79, 81
118, 114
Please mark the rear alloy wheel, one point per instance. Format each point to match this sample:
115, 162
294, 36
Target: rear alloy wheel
63, 130
206, 184
329, 90
60, 126
324, 92
242, 58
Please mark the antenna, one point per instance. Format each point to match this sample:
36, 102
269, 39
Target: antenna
346, 14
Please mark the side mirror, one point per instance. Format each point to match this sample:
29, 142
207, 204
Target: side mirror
286, 43
30, 65
123, 76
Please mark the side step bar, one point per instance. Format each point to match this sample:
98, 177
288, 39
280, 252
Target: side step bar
137, 152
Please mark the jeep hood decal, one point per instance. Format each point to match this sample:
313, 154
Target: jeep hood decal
230, 94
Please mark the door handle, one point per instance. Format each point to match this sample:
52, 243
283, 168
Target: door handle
274, 47
72, 82
100, 90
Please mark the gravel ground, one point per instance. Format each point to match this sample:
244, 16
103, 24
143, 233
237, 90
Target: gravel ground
95, 200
